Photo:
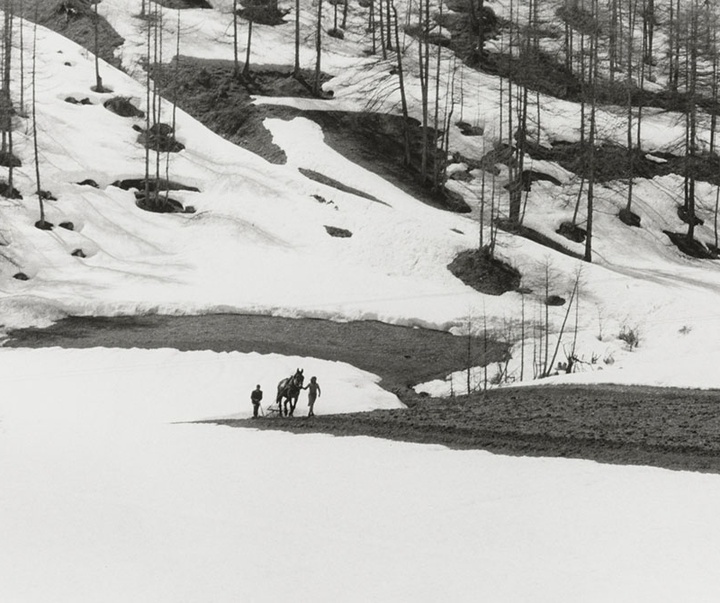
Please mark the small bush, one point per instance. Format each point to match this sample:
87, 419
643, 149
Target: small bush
631, 336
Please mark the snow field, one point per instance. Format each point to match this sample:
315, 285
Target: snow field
111, 489
110, 492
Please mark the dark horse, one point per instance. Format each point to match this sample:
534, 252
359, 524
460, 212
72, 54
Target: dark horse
289, 389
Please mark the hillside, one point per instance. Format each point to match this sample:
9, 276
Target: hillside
161, 262
324, 179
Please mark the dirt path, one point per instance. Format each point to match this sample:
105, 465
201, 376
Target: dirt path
402, 356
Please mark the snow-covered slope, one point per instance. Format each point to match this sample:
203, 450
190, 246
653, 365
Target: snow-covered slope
258, 241
110, 492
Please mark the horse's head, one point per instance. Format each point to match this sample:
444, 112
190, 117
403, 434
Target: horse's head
298, 377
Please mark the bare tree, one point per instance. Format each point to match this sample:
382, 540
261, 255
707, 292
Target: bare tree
296, 68
403, 96
318, 50
246, 66
594, 41
236, 62
96, 24
41, 223
424, 68
691, 121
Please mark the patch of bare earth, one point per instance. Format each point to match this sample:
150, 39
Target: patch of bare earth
212, 93
184, 4
662, 427
75, 19
401, 356
221, 100
479, 269
671, 428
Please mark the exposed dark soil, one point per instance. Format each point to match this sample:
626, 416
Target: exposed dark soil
264, 12
8, 159
613, 163
671, 428
327, 181
161, 203
210, 92
75, 19
122, 106
544, 72
9, 192
340, 233
184, 4
154, 184
375, 141
629, 218
533, 235
160, 137
402, 356
572, 232
480, 270
691, 247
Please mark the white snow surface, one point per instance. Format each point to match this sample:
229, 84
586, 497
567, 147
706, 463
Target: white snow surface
109, 490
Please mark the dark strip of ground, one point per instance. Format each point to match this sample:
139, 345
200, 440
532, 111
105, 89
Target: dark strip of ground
669, 428
661, 427
401, 356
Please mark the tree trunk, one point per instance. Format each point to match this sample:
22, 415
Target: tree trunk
96, 24
9, 15
318, 49
692, 118
424, 64
246, 66
148, 113
403, 97
296, 68
36, 153
591, 142
630, 155
236, 60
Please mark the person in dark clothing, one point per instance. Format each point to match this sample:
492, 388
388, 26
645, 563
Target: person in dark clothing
255, 398
313, 394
